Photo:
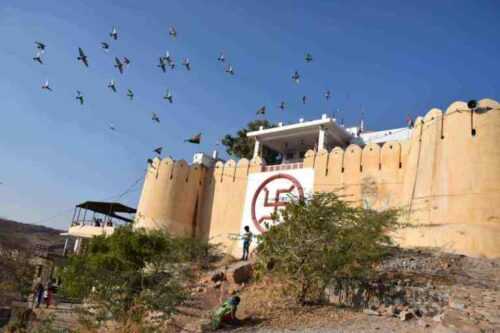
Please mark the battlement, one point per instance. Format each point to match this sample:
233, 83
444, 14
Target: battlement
445, 176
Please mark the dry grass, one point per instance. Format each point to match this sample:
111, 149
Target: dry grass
265, 303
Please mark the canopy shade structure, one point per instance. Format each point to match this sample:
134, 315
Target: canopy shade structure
108, 208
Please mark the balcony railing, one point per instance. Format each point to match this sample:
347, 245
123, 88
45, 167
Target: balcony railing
284, 166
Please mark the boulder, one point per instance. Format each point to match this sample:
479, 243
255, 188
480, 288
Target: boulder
240, 273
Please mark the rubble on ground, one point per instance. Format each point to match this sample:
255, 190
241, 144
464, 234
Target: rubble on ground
456, 291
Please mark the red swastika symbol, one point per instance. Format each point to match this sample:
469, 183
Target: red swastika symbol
292, 184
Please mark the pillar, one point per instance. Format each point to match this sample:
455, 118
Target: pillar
256, 148
321, 138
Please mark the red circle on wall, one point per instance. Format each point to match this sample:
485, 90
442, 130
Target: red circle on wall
294, 184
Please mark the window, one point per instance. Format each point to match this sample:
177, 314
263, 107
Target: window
289, 156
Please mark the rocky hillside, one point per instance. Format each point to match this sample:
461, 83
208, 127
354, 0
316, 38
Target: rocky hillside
21, 236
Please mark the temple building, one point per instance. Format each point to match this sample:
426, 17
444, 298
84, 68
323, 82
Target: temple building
442, 173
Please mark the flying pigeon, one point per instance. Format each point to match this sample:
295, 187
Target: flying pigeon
119, 65
168, 58
158, 150
328, 94
40, 46
308, 58
130, 94
79, 97
112, 85
282, 105
162, 64
112, 127
38, 57
261, 110
154, 117
172, 32
221, 57
126, 61
186, 63
172, 65
114, 34
196, 139
46, 86
82, 57
168, 96
304, 98
296, 77
105, 46
230, 70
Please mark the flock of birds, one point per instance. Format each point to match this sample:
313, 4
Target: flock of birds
165, 63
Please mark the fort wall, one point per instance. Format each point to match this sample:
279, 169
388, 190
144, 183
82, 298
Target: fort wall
445, 179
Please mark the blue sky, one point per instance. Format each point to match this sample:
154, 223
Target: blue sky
390, 58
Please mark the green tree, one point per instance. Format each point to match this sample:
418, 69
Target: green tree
241, 146
322, 239
130, 273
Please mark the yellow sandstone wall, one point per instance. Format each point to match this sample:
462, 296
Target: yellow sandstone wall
452, 181
170, 197
446, 180
223, 202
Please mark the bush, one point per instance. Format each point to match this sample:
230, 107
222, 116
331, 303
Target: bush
131, 273
322, 239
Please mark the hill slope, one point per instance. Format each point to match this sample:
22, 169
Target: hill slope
21, 236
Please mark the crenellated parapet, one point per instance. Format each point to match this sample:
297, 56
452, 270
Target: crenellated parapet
169, 196
445, 178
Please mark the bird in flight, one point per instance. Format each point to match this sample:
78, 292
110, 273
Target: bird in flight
112, 127
126, 61
168, 96
130, 94
154, 117
229, 69
105, 46
82, 57
261, 110
196, 139
114, 33
38, 57
328, 94
304, 99
296, 77
186, 63
221, 57
112, 85
172, 32
168, 58
158, 150
282, 105
308, 57
162, 64
119, 65
46, 86
40, 46
79, 97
